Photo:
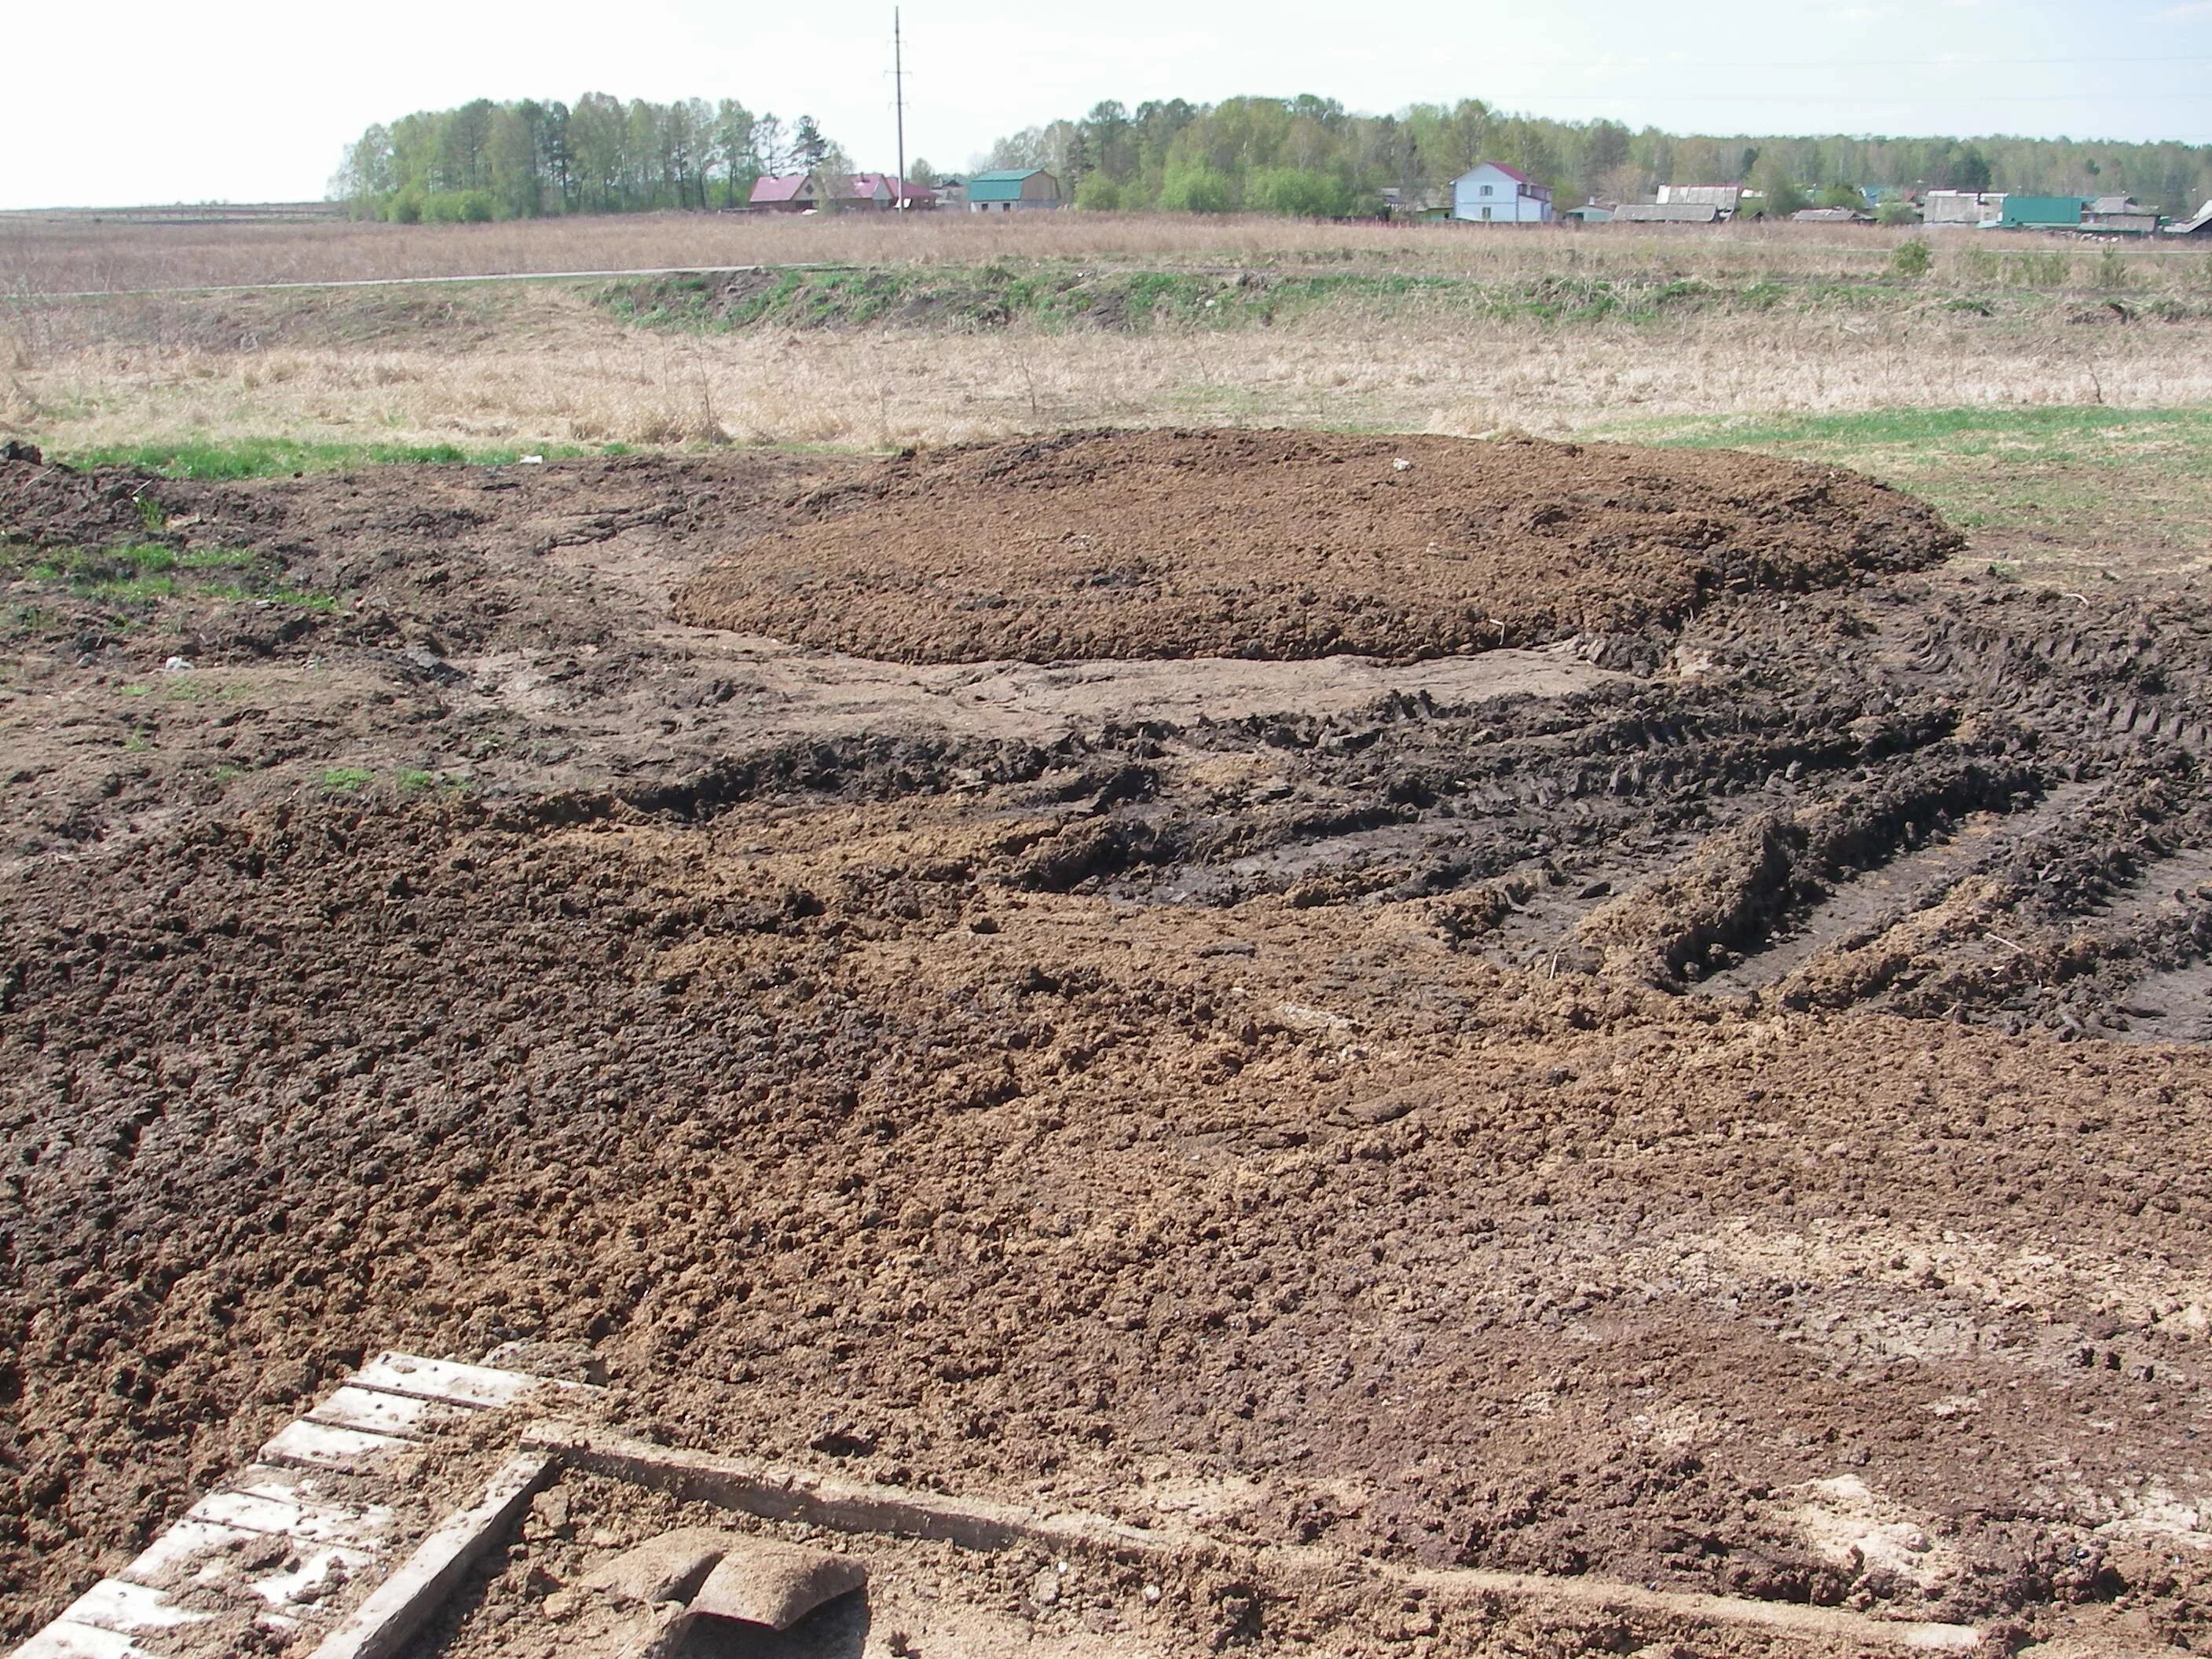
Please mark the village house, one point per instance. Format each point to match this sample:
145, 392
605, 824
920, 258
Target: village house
811, 192
1011, 190
1490, 192
1726, 198
1414, 206
1666, 213
2199, 226
1962, 207
2119, 216
790, 192
2042, 212
883, 189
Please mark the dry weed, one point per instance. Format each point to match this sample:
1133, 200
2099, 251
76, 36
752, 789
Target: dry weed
63, 254
559, 370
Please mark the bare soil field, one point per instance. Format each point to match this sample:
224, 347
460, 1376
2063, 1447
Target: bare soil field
1702, 1092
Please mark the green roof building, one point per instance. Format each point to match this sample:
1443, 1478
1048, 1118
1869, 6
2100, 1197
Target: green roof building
1011, 190
2042, 212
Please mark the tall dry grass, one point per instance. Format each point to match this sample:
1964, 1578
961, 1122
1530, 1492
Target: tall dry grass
545, 365
59, 254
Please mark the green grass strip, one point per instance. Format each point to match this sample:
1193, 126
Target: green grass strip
270, 458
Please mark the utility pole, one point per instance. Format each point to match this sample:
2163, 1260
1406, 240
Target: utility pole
898, 103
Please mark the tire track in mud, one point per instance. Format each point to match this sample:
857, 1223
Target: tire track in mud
1934, 805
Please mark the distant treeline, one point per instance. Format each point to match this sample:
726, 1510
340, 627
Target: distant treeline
522, 160
1304, 156
1307, 155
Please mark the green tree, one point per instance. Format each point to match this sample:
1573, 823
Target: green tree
810, 150
1298, 191
731, 147
515, 186
1193, 187
1783, 195
597, 135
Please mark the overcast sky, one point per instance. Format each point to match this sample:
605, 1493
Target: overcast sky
251, 99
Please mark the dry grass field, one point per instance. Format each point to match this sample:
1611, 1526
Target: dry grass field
951, 329
55, 253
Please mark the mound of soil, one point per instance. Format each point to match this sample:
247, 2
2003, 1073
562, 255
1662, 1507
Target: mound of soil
57, 505
1289, 544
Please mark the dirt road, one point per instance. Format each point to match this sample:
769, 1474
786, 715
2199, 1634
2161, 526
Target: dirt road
1692, 1103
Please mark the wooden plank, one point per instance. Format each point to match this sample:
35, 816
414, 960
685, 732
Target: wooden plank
449, 1380
67, 1639
201, 1553
126, 1609
272, 1511
199, 1547
406, 1415
299, 1589
399, 1606
788, 1494
778, 1493
319, 1446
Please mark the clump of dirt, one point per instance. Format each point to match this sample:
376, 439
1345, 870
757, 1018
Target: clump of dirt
1290, 544
52, 506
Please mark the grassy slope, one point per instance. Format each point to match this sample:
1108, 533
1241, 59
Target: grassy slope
2048, 489
1055, 296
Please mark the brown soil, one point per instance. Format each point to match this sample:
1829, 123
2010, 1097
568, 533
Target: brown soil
1672, 1126
1289, 544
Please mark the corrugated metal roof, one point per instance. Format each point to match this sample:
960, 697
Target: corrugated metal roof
788, 188
1003, 185
1661, 213
2042, 210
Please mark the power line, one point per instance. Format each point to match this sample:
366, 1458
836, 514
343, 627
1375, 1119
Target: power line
1784, 96
1608, 62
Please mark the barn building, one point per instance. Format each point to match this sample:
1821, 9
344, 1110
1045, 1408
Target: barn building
2042, 212
1012, 190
